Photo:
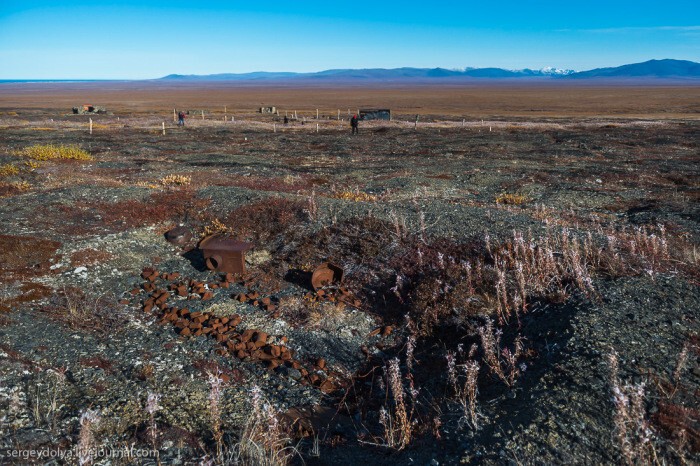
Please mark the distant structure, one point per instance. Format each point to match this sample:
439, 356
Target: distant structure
268, 109
87, 108
375, 114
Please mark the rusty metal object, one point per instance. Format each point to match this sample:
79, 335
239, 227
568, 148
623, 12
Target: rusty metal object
325, 274
179, 236
224, 254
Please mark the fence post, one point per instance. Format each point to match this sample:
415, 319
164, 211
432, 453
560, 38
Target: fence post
90, 125
163, 128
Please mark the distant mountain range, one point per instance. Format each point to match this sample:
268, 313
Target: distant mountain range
652, 69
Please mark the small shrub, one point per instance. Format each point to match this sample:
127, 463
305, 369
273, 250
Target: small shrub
264, 220
83, 311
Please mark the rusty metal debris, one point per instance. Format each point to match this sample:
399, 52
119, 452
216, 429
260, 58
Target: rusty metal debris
326, 274
179, 236
224, 254
88, 109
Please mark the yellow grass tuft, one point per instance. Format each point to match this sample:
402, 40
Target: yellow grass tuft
32, 165
8, 170
355, 196
21, 186
175, 180
146, 184
215, 227
51, 152
511, 199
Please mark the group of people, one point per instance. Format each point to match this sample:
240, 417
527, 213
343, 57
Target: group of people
354, 121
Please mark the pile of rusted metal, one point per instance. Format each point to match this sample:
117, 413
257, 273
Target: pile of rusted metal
250, 344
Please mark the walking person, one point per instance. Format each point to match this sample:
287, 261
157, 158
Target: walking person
353, 123
181, 119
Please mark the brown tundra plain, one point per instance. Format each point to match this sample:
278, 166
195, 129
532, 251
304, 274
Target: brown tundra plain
513, 275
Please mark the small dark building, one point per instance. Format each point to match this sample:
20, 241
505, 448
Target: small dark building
375, 114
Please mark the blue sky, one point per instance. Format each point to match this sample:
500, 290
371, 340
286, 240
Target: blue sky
128, 39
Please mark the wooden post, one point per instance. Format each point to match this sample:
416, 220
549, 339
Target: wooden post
274, 127
462, 122
174, 116
489, 129
415, 125
295, 115
317, 114
317, 127
338, 114
163, 128
90, 125
202, 114
224, 108
233, 118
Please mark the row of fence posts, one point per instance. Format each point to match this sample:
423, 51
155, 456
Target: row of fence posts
274, 125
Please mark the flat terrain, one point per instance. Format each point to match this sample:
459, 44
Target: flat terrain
520, 283
465, 101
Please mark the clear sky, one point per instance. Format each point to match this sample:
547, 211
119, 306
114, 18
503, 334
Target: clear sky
129, 39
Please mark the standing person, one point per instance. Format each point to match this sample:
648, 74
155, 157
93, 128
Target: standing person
353, 124
181, 119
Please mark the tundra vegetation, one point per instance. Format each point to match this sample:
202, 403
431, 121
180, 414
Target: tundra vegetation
515, 290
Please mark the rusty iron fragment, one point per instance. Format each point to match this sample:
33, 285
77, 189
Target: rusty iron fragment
326, 274
224, 254
179, 236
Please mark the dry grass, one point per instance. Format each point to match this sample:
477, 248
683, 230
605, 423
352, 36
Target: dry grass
265, 441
